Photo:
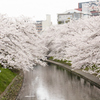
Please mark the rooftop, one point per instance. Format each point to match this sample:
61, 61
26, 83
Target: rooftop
71, 11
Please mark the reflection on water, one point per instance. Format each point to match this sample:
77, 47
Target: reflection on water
54, 83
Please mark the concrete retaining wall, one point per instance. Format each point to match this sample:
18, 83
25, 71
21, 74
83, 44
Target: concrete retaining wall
88, 77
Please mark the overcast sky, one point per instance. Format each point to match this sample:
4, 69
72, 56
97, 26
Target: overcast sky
37, 8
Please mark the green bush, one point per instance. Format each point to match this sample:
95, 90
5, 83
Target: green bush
59, 22
67, 21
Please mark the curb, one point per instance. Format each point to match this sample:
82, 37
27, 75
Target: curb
20, 88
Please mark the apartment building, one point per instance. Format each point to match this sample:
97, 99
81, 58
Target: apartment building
91, 8
85, 9
38, 26
43, 24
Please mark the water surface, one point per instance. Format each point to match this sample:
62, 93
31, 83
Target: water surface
54, 83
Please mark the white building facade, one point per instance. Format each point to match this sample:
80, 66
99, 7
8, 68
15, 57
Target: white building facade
85, 10
68, 15
47, 22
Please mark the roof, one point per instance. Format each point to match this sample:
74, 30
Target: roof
71, 11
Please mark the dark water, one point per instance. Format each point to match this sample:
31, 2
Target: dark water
54, 83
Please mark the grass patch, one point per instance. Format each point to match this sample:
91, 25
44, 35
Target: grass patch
6, 77
61, 61
94, 68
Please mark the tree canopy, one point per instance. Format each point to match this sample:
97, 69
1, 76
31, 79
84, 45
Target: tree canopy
19, 42
22, 47
77, 41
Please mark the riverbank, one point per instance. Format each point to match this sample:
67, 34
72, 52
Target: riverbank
88, 77
13, 88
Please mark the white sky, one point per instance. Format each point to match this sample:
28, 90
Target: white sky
37, 8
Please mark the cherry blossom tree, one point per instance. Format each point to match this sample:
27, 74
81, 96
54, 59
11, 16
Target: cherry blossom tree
78, 41
19, 45
22, 47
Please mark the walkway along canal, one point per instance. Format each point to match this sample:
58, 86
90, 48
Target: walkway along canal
55, 83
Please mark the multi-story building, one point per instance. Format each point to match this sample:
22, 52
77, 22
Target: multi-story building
46, 23
69, 15
39, 26
91, 8
43, 24
85, 9
94, 8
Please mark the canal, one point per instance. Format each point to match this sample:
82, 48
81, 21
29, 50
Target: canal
55, 83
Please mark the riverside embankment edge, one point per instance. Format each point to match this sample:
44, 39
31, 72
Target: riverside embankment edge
13, 89
88, 77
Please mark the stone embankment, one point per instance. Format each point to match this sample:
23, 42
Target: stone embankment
13, 89
88, 77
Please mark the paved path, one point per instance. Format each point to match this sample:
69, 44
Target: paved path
27, 92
